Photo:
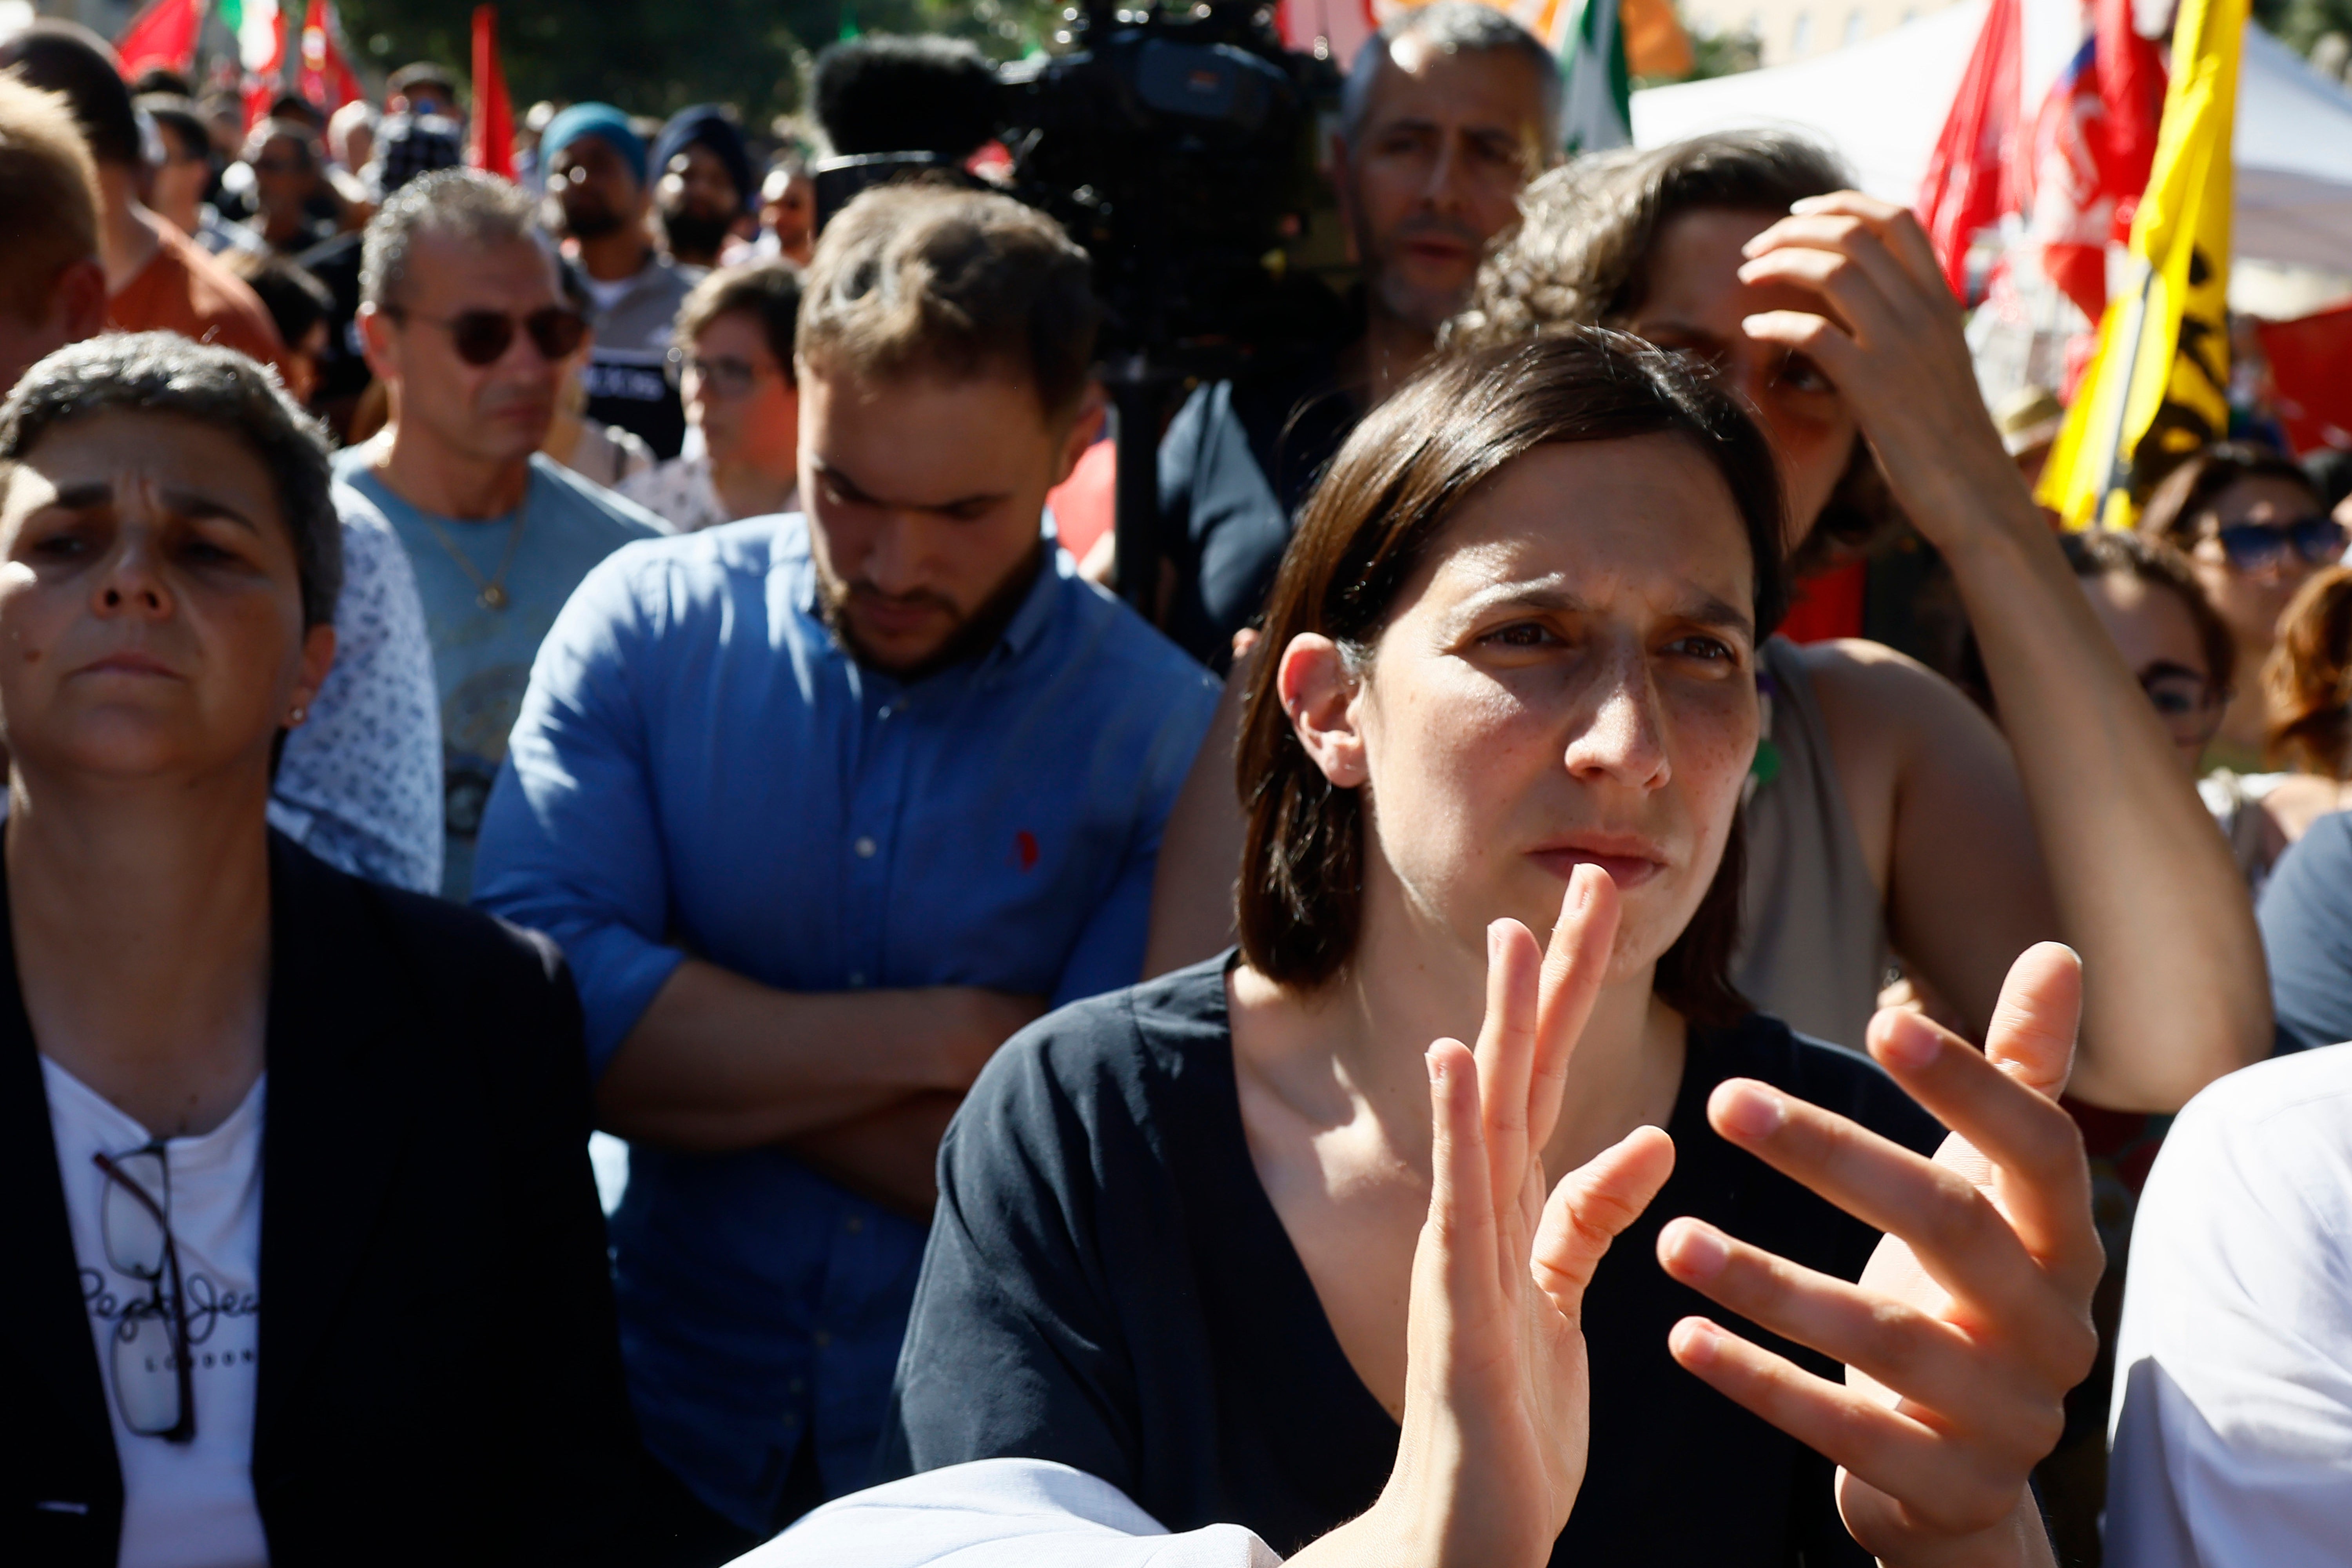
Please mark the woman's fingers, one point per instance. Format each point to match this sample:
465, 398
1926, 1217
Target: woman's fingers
1899, 1346
1591, 1207
1459, 1244
1506, 1052
1951, 1493
1575, 963
2037, 1180
1964, 1243
2031, 1037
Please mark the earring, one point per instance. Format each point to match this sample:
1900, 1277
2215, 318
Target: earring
294, 719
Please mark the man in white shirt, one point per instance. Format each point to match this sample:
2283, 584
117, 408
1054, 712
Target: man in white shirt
2232, 1417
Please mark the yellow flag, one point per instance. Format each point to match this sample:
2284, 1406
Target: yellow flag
2160, 386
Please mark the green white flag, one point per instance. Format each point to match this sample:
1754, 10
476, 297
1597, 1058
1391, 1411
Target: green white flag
1591, 51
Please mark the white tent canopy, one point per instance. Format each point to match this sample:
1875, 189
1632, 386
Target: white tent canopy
1882, 103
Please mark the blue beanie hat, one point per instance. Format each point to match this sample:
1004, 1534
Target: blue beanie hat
599, 120
707, 125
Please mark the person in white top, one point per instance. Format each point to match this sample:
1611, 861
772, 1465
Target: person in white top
233, 1079
734, 368
2232, 1424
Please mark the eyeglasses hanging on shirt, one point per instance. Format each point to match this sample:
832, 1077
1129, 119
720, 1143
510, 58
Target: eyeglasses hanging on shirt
148, 1356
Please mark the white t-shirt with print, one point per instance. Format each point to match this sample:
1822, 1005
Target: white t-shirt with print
184, 1505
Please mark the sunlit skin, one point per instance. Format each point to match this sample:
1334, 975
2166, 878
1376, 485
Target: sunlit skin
485, 420
913, 538
74, 308
1695, 301
753, 438
151, 615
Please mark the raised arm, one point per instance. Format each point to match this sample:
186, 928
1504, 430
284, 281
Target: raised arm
2144, 886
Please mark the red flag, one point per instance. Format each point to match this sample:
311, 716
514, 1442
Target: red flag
2131, 88
490, 136
263, 81
2307, 360
2059, 183
1961, 191
164, 34
328, 79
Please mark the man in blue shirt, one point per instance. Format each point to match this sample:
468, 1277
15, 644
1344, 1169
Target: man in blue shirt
821, 810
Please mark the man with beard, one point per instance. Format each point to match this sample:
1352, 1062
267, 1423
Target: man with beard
1449, 110
598, 200
703, 184
823, 808
463, 319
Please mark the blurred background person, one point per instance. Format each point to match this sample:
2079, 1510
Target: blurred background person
788, 210
599, 201
594, 450
157, 277
179, 186
350, 135
421, 89
734, 364
302, 308
249, 1103
2308, 680
704, 189
52, 284
2251, 523
1450, 109
289, 181
405, 147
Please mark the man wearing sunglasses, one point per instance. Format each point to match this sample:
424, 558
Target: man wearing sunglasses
599, 200
462, 316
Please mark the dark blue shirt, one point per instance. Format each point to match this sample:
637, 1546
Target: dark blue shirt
2306, 919
699, 768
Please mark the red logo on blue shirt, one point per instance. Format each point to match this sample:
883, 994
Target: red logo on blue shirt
1025, 851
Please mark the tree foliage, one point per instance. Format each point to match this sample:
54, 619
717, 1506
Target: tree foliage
651, 56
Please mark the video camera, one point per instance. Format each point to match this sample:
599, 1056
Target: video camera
1177, 147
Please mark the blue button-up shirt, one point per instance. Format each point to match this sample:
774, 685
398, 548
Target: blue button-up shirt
701, 769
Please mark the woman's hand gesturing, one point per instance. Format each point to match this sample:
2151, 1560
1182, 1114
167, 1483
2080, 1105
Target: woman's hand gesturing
1973, 1319
1496, 1390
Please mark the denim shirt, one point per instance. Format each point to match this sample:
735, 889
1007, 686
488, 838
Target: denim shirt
699, 768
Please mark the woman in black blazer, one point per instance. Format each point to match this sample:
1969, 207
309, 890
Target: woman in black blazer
304, 1263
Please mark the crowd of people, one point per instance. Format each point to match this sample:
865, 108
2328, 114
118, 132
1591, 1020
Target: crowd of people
1454, 1041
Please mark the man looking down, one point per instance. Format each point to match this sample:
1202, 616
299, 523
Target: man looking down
823, 809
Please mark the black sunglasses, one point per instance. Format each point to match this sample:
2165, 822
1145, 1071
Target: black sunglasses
483, 337
2261, 546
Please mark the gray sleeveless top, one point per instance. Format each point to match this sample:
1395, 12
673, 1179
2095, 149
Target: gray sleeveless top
1812, 945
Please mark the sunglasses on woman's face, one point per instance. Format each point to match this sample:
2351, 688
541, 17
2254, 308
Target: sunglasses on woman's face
2266, 546
482, 337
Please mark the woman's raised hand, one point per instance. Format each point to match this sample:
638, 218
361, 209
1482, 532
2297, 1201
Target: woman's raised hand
1888, 337
1973, 1317
1496, 1390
